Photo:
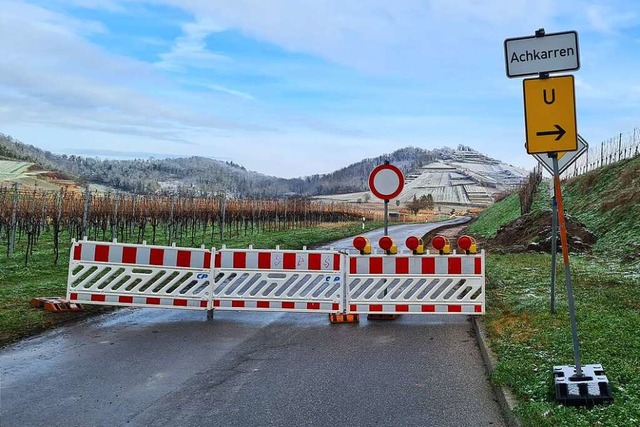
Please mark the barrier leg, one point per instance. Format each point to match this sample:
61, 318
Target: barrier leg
210, 314
344, 318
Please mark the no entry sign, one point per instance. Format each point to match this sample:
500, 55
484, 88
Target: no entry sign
386, 181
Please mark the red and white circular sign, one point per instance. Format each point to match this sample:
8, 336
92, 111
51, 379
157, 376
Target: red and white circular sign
386, 181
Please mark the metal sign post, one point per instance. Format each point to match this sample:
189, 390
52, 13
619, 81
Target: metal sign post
564, 160
386, 217
554, 247
567, 269
551, 129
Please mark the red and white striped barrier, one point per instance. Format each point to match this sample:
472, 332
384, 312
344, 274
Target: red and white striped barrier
416, 284
277, 305
116, 253
139, 275
277, 260
416, 308
275, 280
468, 265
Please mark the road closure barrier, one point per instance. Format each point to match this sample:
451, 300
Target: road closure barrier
416, 284
413, 281
275, 280
139, 275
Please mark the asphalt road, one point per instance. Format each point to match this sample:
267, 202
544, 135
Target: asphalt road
169, 367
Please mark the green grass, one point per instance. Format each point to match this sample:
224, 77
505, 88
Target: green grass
607, 201
529, 340
19, 283
490, 220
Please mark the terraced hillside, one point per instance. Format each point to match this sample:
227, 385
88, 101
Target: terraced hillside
10, 169
464, 179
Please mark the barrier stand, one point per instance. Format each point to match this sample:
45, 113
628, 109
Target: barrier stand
363, 245
55, 304
388, 245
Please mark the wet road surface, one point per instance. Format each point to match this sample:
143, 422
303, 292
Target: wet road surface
165, 367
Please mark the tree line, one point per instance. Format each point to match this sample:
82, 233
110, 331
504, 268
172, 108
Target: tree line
206, 175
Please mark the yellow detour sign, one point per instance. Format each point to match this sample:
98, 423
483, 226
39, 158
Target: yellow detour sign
550, 115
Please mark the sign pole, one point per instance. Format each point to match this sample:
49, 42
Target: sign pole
551, 130
386, 217
567, 270
554, 249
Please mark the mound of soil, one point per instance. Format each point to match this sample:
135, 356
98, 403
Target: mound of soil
532, 232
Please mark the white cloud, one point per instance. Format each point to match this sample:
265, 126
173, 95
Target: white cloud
411, 37
49, 73
232, 92
189, 49
372, 76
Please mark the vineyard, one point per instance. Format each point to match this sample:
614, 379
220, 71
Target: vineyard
187, 220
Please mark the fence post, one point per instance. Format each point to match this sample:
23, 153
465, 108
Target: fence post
85, 213
171, 225
620, 146
14, 222
56, 226
114, 222
133, 215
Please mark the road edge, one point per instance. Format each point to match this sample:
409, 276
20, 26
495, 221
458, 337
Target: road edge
506, 400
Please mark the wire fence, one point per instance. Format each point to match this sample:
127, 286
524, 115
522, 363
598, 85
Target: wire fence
620, 147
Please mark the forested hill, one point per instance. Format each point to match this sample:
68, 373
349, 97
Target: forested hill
202, 174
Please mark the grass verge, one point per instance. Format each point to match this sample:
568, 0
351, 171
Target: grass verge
529, 340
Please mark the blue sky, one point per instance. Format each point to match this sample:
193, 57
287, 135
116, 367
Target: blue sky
293, 87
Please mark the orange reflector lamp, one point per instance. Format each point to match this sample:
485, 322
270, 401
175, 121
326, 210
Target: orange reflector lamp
362, 244
415, 244
388, 245
441, 244
467, 244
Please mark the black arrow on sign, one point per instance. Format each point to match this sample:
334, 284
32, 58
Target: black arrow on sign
559, 132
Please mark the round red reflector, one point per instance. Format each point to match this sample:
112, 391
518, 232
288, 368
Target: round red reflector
464, 243
439, 242
386, 243
359, 243
412, 243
